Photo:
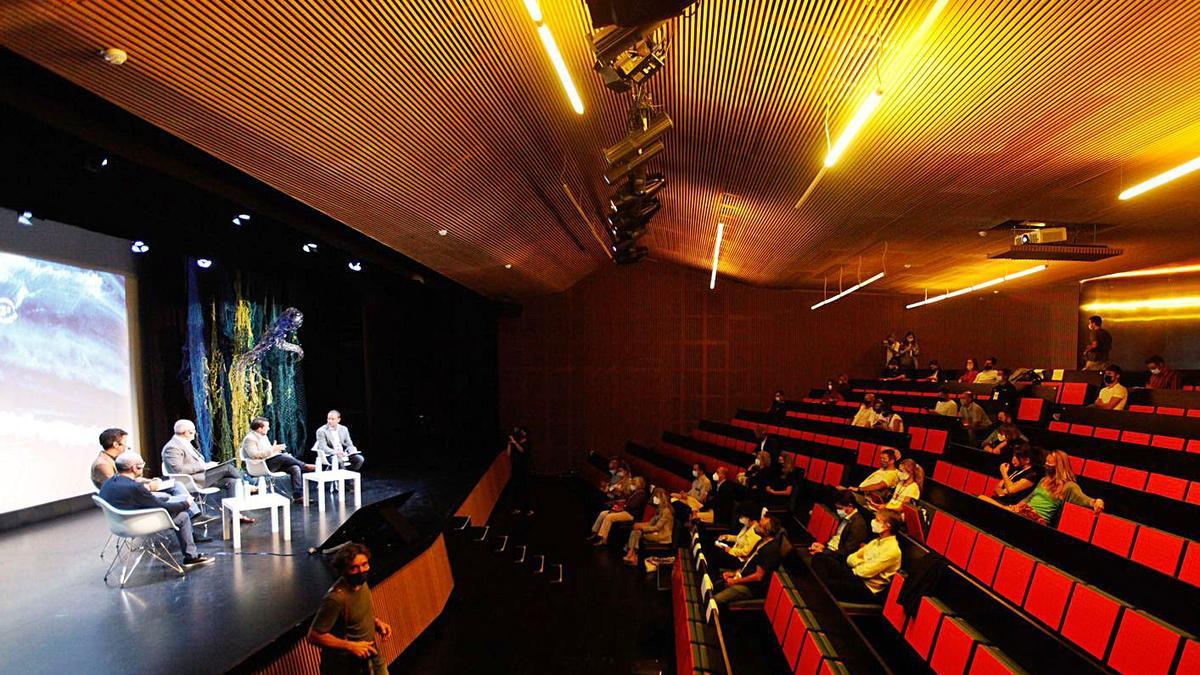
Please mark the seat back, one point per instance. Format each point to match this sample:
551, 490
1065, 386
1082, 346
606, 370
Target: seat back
185, 480
131, 523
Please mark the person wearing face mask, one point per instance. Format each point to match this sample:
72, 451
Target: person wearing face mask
945, 406
619, 484
910, 480
852, 532
865, 574
832, 394
620, 511
345, 627
1113, 396
935, 373
888, 419
1057, 486
1018, 477
909, 350
1162, 377
969, 373
989, 374
884, 478
893, 372
658, 529
722, 500
1095, 355
865, 417
1005, 392
972, 415
751, 579
778, 405
760, 474
734, 550
784, 490
698, 494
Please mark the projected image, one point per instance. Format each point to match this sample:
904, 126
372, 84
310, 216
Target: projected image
64, 375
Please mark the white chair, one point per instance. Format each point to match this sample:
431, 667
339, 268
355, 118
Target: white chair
140, 531
208, 512
257, 468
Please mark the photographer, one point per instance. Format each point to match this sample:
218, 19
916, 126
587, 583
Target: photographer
522, 467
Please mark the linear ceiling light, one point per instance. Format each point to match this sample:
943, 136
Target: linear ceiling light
712, 283
848, 291
860, 118
1153, 272
1183, 302
977, 287
1165, 177
556, 58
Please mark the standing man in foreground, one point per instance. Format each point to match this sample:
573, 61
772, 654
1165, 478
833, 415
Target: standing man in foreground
345, 626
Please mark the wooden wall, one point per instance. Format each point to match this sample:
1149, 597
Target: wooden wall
633, 351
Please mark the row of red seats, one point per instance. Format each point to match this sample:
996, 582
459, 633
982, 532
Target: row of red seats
897, 392
1153, 548
805, 646
946, 642
698, 646
695, 457
1128, 640
816, 469
1164, 441
725, 441
656, 475
920, 438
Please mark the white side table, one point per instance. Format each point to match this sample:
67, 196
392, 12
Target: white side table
339, 476
232, 509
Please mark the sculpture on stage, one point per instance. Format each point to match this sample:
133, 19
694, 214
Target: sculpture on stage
275, 337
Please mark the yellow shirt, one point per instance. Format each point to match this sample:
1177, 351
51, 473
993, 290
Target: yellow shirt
743, 546
1114, 391
876, 563
888, 477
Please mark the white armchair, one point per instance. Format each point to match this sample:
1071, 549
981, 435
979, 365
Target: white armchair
257, 468
139, 531
208, 512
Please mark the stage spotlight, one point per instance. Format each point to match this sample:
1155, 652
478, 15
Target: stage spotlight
616, 173
626, 57
203, 263
508, 266
139, 246
651, 127
355, 266
237, 221
443, 232
26, 219
244, 216
309, 248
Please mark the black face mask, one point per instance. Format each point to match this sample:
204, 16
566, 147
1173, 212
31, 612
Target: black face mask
1109, 379
356, 579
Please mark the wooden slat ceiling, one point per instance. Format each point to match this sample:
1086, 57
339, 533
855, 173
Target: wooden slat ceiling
400, 118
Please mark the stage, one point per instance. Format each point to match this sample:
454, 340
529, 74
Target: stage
60, 617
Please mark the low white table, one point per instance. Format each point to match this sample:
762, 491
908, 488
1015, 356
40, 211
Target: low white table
339, 476
232, 509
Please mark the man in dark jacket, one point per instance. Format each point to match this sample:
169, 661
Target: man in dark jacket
721, 500
852, 532
123, 491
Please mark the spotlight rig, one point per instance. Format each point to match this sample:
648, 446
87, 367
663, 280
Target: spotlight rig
635, 202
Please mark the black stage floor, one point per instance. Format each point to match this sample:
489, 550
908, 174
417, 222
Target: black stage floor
60, 617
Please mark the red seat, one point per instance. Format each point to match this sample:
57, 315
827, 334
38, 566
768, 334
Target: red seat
813, 652
1107, 434
1193, 493
1114, 534
1099, 470
958, 477
1189, 569
935, 441
1030, 409
1143, 645
953, 647
784, 614
1081, 429
1135, 437
1157, 549
1167, 486
893, 611
1061, 427
1090, 619
1076, 464
924, 626
976, 484
833, 474
985, 557
1193, 445
1190, 661
917, 439
1141, 408
1073, 393
1167, 442
991, 661
939, 531
1076, 521
941, 472
1174, 412
774, 593
1012, 576
866, 452
1130, 478
1048, 594
793, 641
962, 540
816, 470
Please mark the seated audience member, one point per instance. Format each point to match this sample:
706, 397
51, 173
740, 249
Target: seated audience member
334, 439
1162, 377
852, 532
760, 474
892, 372
785, 488
721, 501
1113, 395
734, 549
123, 491
910, 478
112, 445
256, 445
865, 417
778, 405
750, 581
620, 511
1005, 393
180, 456
1019, 476
832, 394
989, 374
1095, 355
865, 573
1001, 437
619, 485
945, 406
842, 384
882, 479
658, 529
887, 418
935, 373
1057, 486
698, 494
969, 373
974, 419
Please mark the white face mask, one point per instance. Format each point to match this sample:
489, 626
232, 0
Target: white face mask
846, 515
876, 527
744, 521
1155, 371
695, 474
656, 501
716, 476
903, 475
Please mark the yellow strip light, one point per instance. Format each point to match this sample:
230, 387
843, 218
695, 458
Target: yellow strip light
1182, 302
860, 118
848, 291
977, 287
1153, 272
556, 58
1165, 177
712, 283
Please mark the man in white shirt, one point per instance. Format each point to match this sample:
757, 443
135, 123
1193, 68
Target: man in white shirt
1114, 395
865, 417
989, 374
256, 445
334, 439
884, 478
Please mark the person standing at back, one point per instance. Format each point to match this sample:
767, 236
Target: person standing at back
1095, 355
345, 627
522, 469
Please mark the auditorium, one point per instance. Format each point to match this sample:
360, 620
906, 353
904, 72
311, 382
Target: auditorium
600, 337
